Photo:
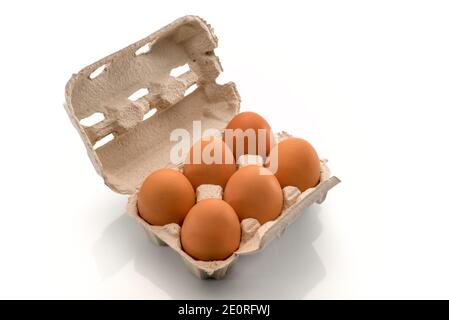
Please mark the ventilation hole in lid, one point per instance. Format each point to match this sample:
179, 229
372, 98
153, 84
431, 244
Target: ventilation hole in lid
97, 72
138, 94
176, 72
144, 49
190, 89
222, 79
149, 114
92, 119
103, 141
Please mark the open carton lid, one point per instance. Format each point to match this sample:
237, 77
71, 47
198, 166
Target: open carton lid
107, 88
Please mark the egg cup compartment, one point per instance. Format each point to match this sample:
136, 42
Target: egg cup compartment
142, 96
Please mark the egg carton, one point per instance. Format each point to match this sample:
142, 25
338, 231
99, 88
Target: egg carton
125, 106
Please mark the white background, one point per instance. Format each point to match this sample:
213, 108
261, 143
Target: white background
366, 82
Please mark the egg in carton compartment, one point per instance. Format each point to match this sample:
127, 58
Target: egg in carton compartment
125, 106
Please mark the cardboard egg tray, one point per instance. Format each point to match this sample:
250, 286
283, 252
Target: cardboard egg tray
140, 100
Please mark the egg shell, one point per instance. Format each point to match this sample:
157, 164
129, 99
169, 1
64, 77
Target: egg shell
209, 161
245, 121
298, 164
211, 231
166, 196
254, 192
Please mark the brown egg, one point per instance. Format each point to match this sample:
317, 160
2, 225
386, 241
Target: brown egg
298, 164
247, 142
209, 161
211, 231
254, 192
166, 196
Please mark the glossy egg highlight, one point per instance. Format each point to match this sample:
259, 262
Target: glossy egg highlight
209, 161
166, 196
249, 142
211, 231
295, 163
254, 192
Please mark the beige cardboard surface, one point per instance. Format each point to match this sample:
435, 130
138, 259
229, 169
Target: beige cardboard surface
141, 146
